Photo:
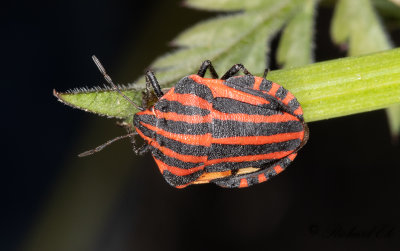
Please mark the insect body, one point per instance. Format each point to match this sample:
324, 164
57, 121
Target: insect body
235, 131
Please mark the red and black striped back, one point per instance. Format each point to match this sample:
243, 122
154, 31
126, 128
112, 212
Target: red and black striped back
209, 125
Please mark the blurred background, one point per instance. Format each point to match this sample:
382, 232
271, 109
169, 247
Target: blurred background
342, 192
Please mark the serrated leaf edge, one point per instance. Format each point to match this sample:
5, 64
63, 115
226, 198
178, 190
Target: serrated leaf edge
84, 90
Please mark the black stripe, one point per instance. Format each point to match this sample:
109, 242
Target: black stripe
281, 93
188, 86
147, 132
230, 128
293, 104
146, 118
174, 145
252, 178
234, 181
285, 162
227, 182
181, 148
164, 105
172, 161
300, 117
175, 180
270, 172
227, 105
225, 166
218, 151
265, 85
178, 127
242, 81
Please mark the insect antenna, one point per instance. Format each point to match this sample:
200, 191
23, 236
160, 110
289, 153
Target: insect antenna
109, 80
101, 147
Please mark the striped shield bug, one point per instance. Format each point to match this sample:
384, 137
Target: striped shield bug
234, 131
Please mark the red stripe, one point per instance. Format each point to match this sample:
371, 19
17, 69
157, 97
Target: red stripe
188, 99
176, 170
219, 89
207, 81
243, 117
146, 112
262, 178
288, 98
240, 117
193, 119
278, 169
275, 155
292, 156
274, 89
298, 111
258, 140
243, 183
257, 83
182, 186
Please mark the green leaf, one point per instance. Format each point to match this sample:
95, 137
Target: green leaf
387, 8
226, 40
102, 101
325, 90
357, 23
228, 5
296, 44
237, 38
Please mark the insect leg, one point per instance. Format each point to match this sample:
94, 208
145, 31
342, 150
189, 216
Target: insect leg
249, 179
265, 73
235, 69
203, 68
101, 147
142, 149
150, 78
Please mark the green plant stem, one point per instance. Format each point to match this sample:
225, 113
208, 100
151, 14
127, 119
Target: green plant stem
325, 90
344, 86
